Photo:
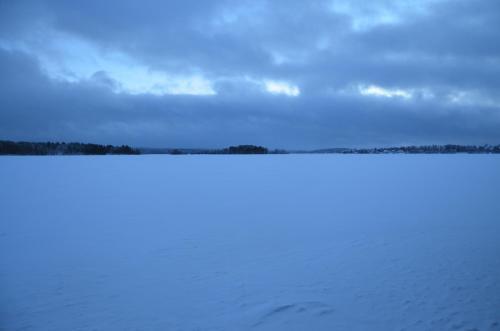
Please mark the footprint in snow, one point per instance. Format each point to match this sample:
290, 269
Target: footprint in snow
290, 310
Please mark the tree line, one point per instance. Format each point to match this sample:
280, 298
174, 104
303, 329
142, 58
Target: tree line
57, 148
429, 149
240, 149
61, 148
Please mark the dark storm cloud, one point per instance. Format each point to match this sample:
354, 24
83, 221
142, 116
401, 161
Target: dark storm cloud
446, 56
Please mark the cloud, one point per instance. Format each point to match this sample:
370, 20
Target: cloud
284, 74
373, 90
275, 87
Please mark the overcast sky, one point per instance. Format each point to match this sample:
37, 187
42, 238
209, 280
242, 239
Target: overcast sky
280, 73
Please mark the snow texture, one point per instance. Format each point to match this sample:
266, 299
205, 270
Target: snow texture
276, 242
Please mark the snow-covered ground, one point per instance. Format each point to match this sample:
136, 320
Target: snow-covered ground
277, 242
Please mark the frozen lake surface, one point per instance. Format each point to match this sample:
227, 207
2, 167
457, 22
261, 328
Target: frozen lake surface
277, 242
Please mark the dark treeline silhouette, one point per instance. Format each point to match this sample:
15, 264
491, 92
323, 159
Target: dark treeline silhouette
246, 149
56, 148
240, 149
430, 149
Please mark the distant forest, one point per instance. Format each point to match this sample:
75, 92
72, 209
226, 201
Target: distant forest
430, 149
56, 148
240, 149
